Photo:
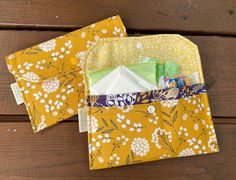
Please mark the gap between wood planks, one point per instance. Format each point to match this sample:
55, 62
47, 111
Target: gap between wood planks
25, 118
133, 32
201, 17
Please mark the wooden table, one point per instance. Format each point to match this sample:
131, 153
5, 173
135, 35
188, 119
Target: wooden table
61, 152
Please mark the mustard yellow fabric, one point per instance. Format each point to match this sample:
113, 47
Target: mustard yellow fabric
50, 75
160, 129
134, 134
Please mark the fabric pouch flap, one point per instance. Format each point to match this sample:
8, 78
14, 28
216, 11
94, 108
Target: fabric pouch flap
62, 55
124, 51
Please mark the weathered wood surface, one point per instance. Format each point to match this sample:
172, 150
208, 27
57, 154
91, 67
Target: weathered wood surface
61, 152
195, 16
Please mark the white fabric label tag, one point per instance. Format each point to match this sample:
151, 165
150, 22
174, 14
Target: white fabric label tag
17, 94
82, 117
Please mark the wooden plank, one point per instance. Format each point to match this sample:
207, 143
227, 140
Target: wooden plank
218, 60
218, 56
25, 118
60, 152
195, 16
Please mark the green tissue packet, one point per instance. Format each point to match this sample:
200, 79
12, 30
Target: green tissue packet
95, 76
171, 68
160, 71
146, 70
160, 68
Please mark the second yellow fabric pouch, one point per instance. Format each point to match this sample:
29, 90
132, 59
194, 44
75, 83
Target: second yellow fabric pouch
49, 75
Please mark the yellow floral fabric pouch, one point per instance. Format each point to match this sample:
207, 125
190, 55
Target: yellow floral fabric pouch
49, 75
137, 127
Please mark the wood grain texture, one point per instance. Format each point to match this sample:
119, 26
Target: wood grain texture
218, 60
60, 152
192, 16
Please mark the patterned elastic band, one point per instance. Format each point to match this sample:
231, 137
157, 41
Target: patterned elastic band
145, 97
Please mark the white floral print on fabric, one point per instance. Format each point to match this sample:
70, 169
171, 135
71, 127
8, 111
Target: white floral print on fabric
187, 152
212, 143
40, 96
104, 31
163, 137
165, 156
127, 124
49, 107
31, 76
120, 118
140, 146
50, 85
123, 140
169, 103
26, 65
208, 111
64, 50
91, 148
155, 138
80, 55
95, 144
40, 64
42, 123
121, 100
70, 110
89, 43
117, 32
183, 131
154, 120
114, 159
58, 104
92, 125
106, 138
48, 45
100, 159
83, 34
